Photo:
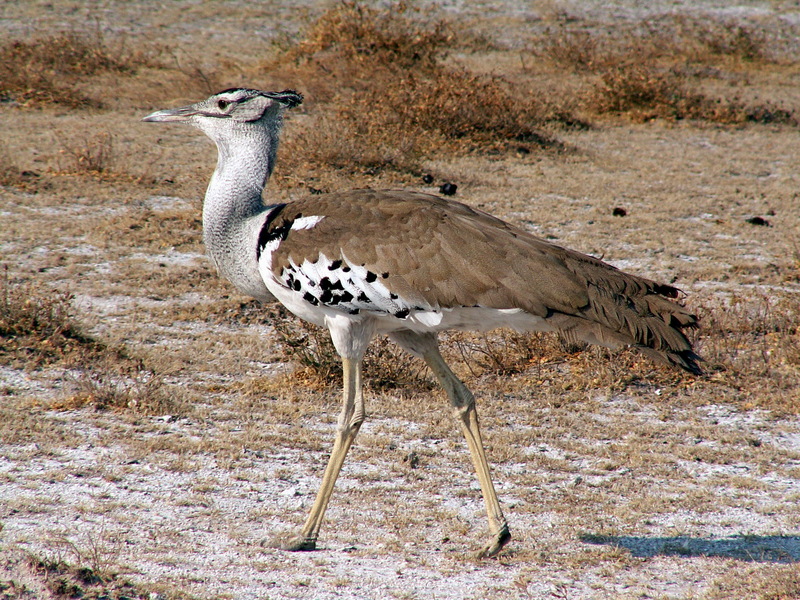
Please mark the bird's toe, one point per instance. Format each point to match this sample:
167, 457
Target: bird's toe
295, 543
499, 539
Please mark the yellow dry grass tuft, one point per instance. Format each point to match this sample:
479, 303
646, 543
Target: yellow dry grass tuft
357, 32
645, 91
661, 72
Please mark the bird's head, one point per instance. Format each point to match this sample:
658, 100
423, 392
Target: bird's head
234, 105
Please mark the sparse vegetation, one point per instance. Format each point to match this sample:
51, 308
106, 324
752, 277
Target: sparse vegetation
50, 69
10, 173
386, 367
91, 155
37, 329
155, 423
36, 325
134, 388
649, 75
730, 39
357, 33
646, 92
396, 96
57, 579
755, 339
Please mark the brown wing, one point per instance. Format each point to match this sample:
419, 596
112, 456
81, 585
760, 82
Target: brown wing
450, 255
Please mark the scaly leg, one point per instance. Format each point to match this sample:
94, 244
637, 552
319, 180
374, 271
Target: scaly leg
350, 420
463, 403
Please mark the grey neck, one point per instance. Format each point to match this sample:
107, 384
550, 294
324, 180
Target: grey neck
234, 211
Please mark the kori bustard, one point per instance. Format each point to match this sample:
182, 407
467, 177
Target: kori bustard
409, 265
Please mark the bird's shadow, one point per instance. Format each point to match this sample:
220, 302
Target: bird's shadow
748, 548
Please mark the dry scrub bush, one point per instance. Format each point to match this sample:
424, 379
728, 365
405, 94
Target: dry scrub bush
672, 40
354, 32
648, 75
386, 100
585, 52
725, 39
458, 105
645, 91
88, 155
50, 69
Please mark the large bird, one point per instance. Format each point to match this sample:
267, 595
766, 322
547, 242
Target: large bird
409, 265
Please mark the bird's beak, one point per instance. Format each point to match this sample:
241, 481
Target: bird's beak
177, 115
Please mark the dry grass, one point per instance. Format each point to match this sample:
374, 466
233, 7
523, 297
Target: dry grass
357, 33
38, 329
174, 228
61, 578
386, 366
387, 99
711, 40
645, 92
660, 73
676, 39
10, 173
51, 69
741, 340
133, 388
776, 583
92, 155
14, 177
757, 338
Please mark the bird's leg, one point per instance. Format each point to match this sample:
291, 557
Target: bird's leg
463, 403
350, 420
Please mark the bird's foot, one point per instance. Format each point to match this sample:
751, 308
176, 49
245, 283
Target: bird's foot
295, 543
499, 539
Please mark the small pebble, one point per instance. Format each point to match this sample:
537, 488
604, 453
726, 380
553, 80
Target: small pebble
759, 221
448, 189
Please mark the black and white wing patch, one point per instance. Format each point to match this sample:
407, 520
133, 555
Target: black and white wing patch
329, 283
346, 286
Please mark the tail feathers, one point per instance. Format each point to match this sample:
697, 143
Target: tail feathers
685, 359
644, 320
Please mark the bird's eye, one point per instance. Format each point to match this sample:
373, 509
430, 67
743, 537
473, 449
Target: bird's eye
223, 104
